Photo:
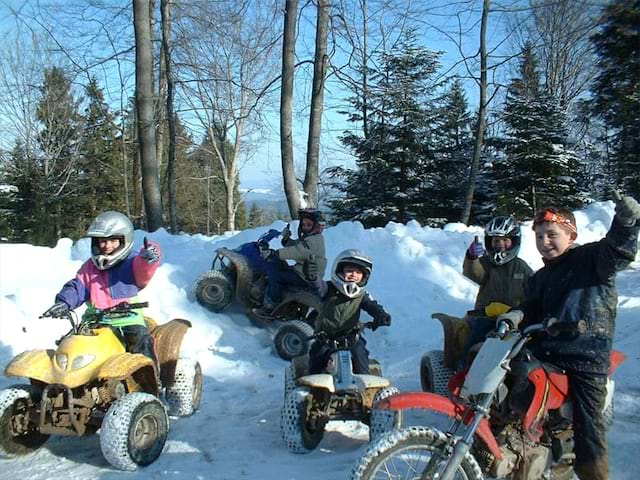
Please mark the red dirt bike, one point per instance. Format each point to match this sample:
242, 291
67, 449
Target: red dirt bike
512, 418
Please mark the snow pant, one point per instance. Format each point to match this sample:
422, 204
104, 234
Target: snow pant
137, 339
480, 327
319, 356
588, 392
279, 280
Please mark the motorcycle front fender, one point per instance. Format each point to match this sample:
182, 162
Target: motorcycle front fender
442, 405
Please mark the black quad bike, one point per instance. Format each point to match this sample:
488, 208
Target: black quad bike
241, 274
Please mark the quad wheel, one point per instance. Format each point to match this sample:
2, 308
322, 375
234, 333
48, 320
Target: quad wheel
383, 420
17, 436
300, 433
184, 395
292, 339
434, 375
134, 431
213, 290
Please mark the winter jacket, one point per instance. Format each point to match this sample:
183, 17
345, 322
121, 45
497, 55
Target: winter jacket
302, 249
578, 288
339, 313
498, 283
106, 288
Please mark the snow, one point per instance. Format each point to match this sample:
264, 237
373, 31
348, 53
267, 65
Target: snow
236, 434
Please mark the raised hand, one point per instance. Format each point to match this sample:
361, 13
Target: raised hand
150, 252
627, 209
475, 250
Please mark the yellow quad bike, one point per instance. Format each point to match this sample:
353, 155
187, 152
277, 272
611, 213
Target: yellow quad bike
91, 382
437, 366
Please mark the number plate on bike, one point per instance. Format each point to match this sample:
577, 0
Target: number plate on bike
486, 372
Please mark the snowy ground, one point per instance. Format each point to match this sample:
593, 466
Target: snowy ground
236, 434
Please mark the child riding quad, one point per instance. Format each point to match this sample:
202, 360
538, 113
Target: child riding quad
91, 382
106, 371
242, 273
337, 380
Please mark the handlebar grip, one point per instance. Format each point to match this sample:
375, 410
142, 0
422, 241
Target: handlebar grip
133, 306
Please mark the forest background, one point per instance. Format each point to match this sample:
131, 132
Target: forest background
374, 110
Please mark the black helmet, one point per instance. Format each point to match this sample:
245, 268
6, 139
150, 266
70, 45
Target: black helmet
502, 227
313, 214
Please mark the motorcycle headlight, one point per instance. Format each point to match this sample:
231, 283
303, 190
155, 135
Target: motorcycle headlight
61, 360
82, 361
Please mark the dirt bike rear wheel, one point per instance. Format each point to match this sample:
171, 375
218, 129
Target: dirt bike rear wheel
404, 454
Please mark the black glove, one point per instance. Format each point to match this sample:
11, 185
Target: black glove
310, 269
286, 234
58, 310
381, 320
627, 210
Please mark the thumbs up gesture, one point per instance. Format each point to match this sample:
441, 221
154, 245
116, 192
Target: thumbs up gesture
627, 209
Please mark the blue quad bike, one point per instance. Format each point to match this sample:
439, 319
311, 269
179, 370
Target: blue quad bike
241, 274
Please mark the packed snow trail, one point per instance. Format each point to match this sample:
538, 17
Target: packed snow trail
236, 433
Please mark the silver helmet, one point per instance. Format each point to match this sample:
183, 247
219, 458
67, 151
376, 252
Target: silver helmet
502, 227
109, 225
351, 257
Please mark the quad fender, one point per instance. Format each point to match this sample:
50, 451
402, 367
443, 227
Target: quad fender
34, 364
244, 274
167, 339
456, 333
319, 380
135, 368
299, 296
440, 404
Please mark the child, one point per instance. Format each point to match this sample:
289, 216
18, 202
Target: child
343, 298
309, 245
500, 273
113, 275
577, 286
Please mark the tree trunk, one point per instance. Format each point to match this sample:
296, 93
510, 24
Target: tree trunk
317, 104
165, 11
146, 124
286, 107
482, 117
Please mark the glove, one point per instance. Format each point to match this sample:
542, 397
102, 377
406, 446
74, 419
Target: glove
310, 268
475, 250
513, 318
150, 252
58, 310
381, 320
286, 234
627, 210
265, 251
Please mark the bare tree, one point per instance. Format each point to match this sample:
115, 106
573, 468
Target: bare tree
482, 116
165, 10
146, 121
317, 102
286, 107
559, 32
227, 70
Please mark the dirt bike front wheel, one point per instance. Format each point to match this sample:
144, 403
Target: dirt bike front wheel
404, 455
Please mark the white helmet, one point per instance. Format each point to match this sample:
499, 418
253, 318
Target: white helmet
351, 257
107, 225
502, 227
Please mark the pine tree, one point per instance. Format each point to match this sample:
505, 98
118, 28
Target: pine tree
394, 160
255, 216
617, 89
100, 170
453, 148
539, 169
